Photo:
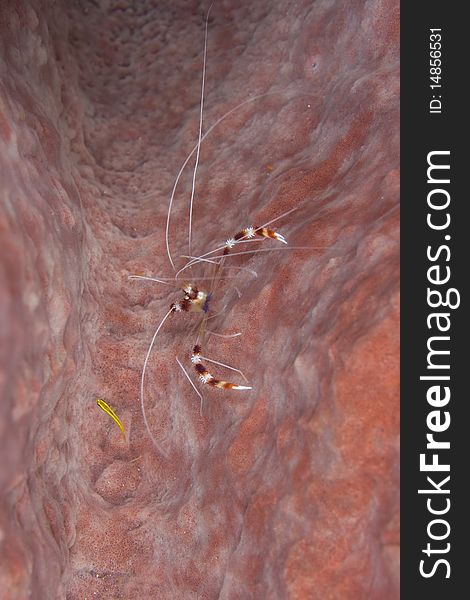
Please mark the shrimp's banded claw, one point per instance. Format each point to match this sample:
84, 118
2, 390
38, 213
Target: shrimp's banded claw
270, 233
206, 378
249, 233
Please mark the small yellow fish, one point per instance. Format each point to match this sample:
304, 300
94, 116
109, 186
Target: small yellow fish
107, 409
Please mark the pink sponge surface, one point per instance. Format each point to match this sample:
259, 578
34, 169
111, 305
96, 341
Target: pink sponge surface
288, 490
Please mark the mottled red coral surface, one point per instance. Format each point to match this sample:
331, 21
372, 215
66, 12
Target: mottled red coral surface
289, 490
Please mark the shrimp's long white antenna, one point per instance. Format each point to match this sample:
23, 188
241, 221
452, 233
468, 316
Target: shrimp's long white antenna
215, 261
164, 281
194, 387
188, 158
281, 216
173, 283
201, 114
221, 364
195, 259
224, 335
202, 258
142, 380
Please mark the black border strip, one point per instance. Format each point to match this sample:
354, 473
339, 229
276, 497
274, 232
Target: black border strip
422, 133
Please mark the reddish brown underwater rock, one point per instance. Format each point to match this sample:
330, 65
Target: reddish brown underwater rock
286, 491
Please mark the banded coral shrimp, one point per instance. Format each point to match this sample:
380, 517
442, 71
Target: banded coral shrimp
200, 291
